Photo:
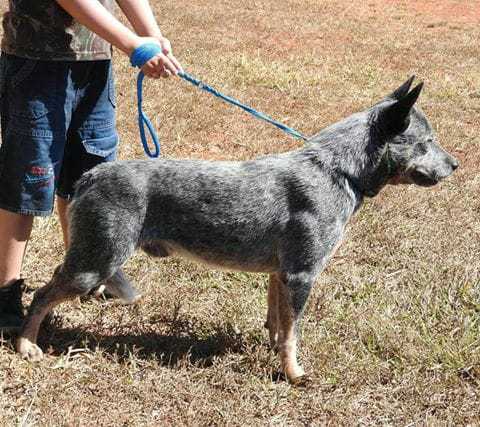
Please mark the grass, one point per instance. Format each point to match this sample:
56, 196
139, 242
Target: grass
391, 333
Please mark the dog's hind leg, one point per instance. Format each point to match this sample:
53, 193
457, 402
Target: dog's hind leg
119, 287
293, 291
272, 313
62, 287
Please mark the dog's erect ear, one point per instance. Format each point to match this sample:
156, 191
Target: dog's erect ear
402, 90
394, 117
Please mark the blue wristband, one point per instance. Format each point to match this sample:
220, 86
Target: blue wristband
143, 53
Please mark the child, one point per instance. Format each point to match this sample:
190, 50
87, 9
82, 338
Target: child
58, 115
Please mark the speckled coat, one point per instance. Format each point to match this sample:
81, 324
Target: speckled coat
282, 214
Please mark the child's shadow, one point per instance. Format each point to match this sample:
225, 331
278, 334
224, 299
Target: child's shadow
181, 344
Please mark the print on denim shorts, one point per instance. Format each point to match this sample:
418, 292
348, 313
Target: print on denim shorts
40, 176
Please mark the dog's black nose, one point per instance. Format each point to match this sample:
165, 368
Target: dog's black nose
454, 164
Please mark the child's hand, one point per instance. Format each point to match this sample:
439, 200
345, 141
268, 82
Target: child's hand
164, 64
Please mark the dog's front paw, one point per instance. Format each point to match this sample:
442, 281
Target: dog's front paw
294, 373
28, 350
302, 381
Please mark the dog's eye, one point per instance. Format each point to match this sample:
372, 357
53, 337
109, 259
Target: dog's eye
421, 148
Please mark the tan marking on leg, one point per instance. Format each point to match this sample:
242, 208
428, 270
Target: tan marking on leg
272, 313
287, 340
44, 300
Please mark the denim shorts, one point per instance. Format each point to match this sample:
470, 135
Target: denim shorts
57, 122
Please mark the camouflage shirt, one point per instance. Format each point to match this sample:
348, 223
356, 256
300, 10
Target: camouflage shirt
41, 29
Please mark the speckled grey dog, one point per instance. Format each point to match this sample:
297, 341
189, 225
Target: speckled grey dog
281, 214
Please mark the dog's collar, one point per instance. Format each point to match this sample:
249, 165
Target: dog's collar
391, 168
387, 163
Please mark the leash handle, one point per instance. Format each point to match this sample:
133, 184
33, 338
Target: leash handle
143, 53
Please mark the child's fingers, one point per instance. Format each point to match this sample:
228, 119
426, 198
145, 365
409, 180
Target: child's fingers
162, 63
168, 64
153, 68
150, 70
175, 62
166, 46
165, 63
161, 66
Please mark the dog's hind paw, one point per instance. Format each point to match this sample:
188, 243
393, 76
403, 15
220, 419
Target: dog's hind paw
122, 297
303, 381
29, 350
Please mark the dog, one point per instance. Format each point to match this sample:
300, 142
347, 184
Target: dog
282, 214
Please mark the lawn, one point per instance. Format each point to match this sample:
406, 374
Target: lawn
391, 334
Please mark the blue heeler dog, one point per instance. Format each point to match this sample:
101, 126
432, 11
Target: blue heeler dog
281, 214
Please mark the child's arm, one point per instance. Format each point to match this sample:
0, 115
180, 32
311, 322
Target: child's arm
139, 13
95, 17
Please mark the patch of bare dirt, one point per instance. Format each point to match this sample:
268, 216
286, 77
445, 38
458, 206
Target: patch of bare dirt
465, 11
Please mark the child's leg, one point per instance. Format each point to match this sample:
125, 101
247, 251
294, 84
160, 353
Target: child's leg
62, 209
32, 113
14, 233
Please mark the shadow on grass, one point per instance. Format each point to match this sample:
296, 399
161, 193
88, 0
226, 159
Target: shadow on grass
181, 345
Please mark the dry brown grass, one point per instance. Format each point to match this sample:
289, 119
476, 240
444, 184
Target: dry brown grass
391, 333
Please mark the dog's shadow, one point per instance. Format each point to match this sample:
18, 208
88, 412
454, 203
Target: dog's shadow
181, 343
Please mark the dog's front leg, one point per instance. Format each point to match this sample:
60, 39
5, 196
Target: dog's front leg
293, 291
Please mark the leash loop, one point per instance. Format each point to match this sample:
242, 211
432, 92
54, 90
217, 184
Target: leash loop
143, 121
147, 51
139, 58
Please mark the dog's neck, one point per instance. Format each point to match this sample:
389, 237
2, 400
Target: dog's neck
383, 170
351, 149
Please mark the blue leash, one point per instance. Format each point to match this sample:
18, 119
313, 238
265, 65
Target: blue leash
143, 54
144, 120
